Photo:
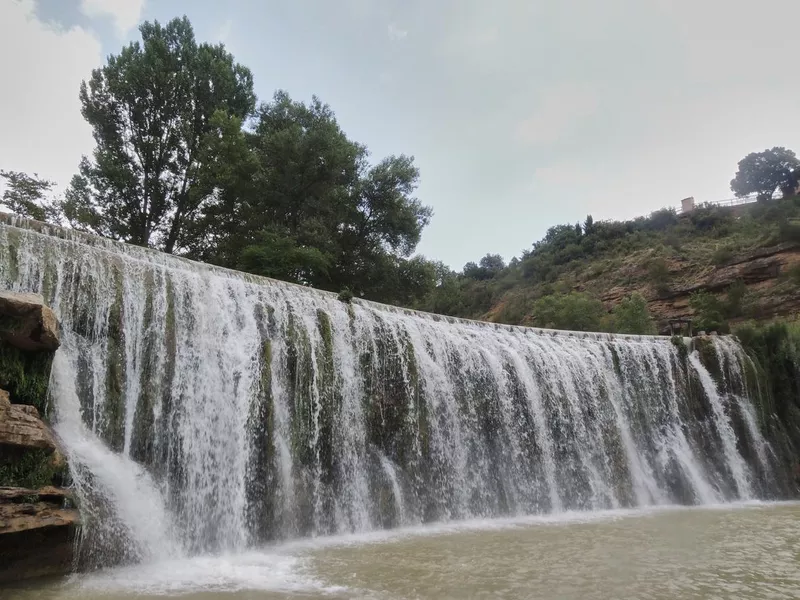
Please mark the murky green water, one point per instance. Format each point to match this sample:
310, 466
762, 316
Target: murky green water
731, 552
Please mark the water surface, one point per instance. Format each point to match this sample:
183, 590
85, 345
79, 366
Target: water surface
744, 551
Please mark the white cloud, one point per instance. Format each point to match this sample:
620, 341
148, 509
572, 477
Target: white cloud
395, 33
559, 111
124, 13
40, 120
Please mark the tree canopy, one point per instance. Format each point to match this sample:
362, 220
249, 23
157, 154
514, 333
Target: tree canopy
764, 172
631, 316
152, 108
302, 203
185, 161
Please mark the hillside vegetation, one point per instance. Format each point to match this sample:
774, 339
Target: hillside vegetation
717, 265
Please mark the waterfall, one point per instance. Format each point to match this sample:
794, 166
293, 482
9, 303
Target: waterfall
205, 410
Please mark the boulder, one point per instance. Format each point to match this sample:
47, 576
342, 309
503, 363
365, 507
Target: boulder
29, 454
37, 533
21, 427
27, 323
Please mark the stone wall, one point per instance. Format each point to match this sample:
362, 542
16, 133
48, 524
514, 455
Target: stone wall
38, 521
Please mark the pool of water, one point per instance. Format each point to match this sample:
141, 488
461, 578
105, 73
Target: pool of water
742, 551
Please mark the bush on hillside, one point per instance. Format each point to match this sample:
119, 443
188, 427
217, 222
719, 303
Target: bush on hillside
632, 316
722, 255
737, 301
794, 274
659, 274
789, 231
573, 311
709, 312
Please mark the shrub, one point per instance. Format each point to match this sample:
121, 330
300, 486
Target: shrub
705, 217
659, 274
673, 240
794, 274
661, 219
737, 301
789, 231
722, 255
574, 311
631, 316
708, 312
513, 310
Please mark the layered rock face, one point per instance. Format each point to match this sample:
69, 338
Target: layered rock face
37, 520
763, 272
36, 533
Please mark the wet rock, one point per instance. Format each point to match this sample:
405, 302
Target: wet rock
37, 531
29, 454
21, 427
27, 323
37, 521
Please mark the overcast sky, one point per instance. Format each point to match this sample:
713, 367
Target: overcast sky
521, 113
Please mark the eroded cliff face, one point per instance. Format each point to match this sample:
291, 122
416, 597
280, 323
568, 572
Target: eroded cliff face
37, 520
766, 273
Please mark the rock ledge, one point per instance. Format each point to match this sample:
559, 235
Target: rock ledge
27, 323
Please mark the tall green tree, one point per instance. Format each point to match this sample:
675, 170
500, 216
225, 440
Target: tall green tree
29, 196
301, 202
384, 223
306, 174
763, 172
152, 108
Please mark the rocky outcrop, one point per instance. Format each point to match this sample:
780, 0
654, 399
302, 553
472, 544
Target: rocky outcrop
28, 340
27, 323
764, 272
21, 427
37, 526
37, 533
38, 522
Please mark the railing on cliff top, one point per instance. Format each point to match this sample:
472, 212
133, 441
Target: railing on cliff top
172, 261
724, 203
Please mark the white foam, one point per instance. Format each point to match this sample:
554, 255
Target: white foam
263, 571
566, 518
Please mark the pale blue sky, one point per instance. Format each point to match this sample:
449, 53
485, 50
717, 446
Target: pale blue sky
521, 115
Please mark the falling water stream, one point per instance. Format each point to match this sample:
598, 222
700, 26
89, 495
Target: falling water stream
205, 411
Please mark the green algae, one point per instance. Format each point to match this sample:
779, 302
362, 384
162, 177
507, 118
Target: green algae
25, 375
30, 468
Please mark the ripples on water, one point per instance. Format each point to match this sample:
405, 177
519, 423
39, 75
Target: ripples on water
721, 552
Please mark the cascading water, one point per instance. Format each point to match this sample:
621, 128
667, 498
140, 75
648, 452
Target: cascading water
206, 410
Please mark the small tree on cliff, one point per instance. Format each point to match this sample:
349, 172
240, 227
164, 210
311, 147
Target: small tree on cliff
151, 108
763, 172
631, 316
